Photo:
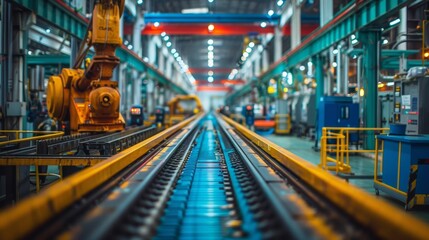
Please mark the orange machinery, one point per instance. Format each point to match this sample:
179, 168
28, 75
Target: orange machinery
176, 108
88, 98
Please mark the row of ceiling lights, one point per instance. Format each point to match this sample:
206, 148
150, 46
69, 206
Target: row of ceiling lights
210, 61
173, 51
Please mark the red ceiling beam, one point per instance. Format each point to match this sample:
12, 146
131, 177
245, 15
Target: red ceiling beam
220, 29
223, 82
201, 29
206, 70
213, 89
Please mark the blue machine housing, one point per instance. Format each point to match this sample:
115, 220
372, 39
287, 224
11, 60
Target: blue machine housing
336, 111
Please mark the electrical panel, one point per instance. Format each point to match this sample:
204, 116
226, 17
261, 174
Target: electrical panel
410, 97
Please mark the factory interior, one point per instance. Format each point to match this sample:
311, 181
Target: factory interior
214, 119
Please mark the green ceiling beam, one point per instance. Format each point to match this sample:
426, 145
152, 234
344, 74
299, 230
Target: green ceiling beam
48, 59
354, 18
61, 16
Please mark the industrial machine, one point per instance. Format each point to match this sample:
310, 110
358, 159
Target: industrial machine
308, 114
282, 118
88, 98
185, 104
137, 116
159, 116
385, 109
249, 115
405, 167
410, 94
336, 111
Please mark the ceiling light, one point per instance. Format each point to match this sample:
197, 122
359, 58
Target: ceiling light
210, 79
354, 41
210, 27
163, 34
245, 54
126, 42
210, 1
210, 41
168, 44
309, 64
130, 46
302, 68
211, 57
156, 24
394, 22
179, 59
284, 74
353, 36
166, 38
30, 52
173, 51
270, 12
176, 55
139, 2
243, 58
210, 73
210, 64
334, 64
263, 24
48, 30
335, 51
210, 48
385, 41
279, 3
251, 44
260, 48
248, 49
234, 71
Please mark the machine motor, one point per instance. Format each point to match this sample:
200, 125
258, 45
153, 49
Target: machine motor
137, 116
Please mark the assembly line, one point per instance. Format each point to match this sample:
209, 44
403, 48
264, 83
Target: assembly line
214, 119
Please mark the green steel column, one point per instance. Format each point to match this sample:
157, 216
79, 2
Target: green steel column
320, 79
370, 41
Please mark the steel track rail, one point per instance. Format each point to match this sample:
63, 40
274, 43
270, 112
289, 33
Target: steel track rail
102, 225
293, 229
33, 212
371, 213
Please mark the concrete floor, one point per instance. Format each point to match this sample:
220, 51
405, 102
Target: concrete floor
302, 147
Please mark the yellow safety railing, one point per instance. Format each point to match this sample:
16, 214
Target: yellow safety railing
17, 136
335, 147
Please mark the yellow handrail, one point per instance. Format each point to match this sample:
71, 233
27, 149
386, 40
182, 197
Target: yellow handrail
341, 147
18, 139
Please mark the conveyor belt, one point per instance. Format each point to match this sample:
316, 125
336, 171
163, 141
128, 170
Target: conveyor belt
207, 181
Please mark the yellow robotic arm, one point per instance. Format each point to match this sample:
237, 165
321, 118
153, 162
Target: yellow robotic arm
88, 98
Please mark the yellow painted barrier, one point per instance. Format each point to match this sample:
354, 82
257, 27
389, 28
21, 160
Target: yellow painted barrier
335, 147
283, 119
374, 214
27, 215
18, 133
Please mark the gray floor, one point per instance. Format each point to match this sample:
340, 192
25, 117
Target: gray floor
360, 166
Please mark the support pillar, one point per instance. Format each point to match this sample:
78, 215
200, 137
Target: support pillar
371, 53
137, 47
278, 50
326, 11
296, 25
320, 79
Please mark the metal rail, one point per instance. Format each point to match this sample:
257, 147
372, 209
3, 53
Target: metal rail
372, 213
117, 142
33, 212
190, 190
